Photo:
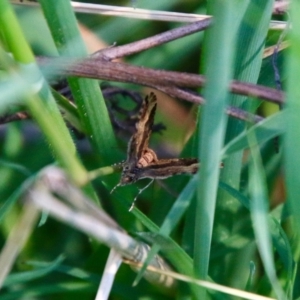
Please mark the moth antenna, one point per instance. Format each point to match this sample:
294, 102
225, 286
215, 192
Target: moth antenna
114, 188
140, 191
119, 165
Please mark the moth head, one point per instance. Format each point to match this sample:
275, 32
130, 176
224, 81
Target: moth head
129, 175
127, 178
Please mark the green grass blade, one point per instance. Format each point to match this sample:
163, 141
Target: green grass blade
279, 237
172, 251
212, 129
10, 201
86, 92
179, 207
283, 247
41, 106
264, 131
69, 110
291, 139
235, 194
13, 36
259, 211
171, 220
42, 290
22, 277
253, 17
65, 269
14, 166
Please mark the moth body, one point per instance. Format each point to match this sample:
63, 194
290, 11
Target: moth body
147, 158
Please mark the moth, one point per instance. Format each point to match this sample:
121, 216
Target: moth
141, 161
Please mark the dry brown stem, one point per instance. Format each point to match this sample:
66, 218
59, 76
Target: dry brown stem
159, 79
175, 84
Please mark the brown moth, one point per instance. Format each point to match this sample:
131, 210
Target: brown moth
142, 161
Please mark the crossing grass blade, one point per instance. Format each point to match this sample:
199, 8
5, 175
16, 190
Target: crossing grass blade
265, 130
86, 92
259, 211
219, 55
22, 277
175, 214
253, 18
291, 138
42, 105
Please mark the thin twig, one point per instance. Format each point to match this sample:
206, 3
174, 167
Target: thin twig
153, 41
99, 67
195, 98
174, 84
120, 72
146, 14
176, 92
257, 91
21, 115
243, 115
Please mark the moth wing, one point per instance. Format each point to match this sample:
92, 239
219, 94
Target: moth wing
164, 168
140, 139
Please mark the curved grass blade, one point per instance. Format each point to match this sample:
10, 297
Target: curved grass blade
291, 139
173, 217
259, 212
86, 92
23, 277
264, 131
218, 69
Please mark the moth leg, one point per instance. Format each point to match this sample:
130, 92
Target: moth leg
140, 191
113, 189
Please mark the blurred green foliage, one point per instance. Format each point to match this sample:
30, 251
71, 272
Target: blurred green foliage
61, 262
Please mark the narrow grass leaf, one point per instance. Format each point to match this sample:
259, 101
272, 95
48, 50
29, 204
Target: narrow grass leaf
38, 98
179, 207
172, 251
283, 247
219, 52
16, 167
14, 197
23, 277
253, 18
43, 290
279, 237
250, 280
69, 111
86, 92
65, 269
259, 214
291, 138
235, 193
265, 130
171, 220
